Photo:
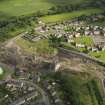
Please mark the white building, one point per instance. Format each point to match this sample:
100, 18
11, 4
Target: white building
77, 35
96, 32
87, 32
80, 45
94, 49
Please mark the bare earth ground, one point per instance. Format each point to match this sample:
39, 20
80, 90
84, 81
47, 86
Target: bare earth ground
76, 65
72, 65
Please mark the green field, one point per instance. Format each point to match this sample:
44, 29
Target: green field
67, 16
41, 47
100, 55
86, 40
10, 8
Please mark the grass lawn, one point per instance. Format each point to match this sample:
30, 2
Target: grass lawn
100, 55
67, 16
87, 40
39, 47
10, 8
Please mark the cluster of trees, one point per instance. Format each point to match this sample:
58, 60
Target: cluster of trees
94, 92
73, 7
68, 86
92, 18
54, 41
12, 24
60, 9
71, 87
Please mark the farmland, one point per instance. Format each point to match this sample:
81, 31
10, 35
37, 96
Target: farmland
10, 8
67, 16
21, 7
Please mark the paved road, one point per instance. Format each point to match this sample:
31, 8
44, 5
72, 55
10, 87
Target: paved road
82, 55
10, 41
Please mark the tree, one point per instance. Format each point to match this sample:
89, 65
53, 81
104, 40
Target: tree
54, 41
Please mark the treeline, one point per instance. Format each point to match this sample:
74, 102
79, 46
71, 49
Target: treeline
94, 17
74, 7
68, 86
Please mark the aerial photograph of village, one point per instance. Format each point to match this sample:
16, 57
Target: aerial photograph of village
52, 52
